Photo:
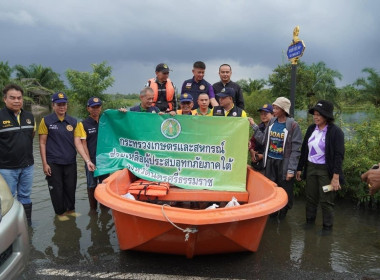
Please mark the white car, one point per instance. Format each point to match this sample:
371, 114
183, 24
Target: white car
14, 239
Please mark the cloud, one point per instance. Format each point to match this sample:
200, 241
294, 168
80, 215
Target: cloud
20, 17
134, 36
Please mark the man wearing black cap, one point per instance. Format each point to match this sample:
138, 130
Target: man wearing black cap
89, 138
227, 107
164, 89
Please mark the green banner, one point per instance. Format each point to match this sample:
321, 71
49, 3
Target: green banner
192, 152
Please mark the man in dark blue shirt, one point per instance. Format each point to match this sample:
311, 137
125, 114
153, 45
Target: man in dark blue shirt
198, 85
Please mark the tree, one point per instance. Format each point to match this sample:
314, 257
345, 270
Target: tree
250, 86
5, 74
324, 86
44, 76
370, 86
85, 84
313, 83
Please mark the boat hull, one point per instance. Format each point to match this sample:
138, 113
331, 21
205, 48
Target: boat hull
156, 228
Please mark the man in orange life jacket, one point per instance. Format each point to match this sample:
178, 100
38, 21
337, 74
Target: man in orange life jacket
164, 90
186, 104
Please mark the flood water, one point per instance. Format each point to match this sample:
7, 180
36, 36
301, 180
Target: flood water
86, 247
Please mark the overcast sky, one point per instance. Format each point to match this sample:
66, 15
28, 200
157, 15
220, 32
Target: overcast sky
134, 36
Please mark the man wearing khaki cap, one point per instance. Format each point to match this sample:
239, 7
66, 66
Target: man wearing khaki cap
282, 140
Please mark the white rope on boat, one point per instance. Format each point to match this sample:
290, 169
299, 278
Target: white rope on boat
186, 230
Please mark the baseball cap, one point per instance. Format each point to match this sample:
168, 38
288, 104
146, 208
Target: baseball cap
162, 67
226, 92
94, 101
59, 97
267, 108
185, 97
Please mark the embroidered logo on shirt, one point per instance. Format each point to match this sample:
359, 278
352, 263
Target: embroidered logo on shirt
202, 87
53, 126
7, 123
28, 121
69, 128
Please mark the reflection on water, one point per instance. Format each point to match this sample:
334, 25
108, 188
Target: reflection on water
90, 239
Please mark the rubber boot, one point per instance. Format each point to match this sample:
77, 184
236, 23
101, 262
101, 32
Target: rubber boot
91, 198
311, 214
28, 213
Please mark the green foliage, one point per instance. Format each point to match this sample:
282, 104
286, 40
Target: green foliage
370, 86
362, 151
255, 100
5, 74
85, 84
349, 96
116, 101
250, 86
314, 82
44, 76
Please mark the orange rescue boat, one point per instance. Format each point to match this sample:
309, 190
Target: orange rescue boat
151, 227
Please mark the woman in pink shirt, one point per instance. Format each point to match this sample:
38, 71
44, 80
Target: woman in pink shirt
321, 161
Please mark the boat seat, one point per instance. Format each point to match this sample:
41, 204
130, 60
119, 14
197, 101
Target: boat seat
178, 194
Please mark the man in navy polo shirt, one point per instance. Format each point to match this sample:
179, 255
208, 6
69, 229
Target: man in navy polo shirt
58, 154
198, 85
17, 128
88, 138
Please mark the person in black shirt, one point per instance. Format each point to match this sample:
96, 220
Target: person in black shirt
17, 128
225, 73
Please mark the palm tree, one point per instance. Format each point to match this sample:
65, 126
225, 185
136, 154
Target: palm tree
5, 74
323, 85
45, 76
370, 86
251, 85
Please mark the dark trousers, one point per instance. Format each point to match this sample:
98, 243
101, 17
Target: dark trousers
273, 171
317, 177
62, 186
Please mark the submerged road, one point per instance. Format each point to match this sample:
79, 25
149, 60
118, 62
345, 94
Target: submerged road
86, 247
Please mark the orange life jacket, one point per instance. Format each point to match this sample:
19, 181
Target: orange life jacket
148, 188
169, 92
179, 112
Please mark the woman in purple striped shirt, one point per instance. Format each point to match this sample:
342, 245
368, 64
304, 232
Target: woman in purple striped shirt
321, 161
